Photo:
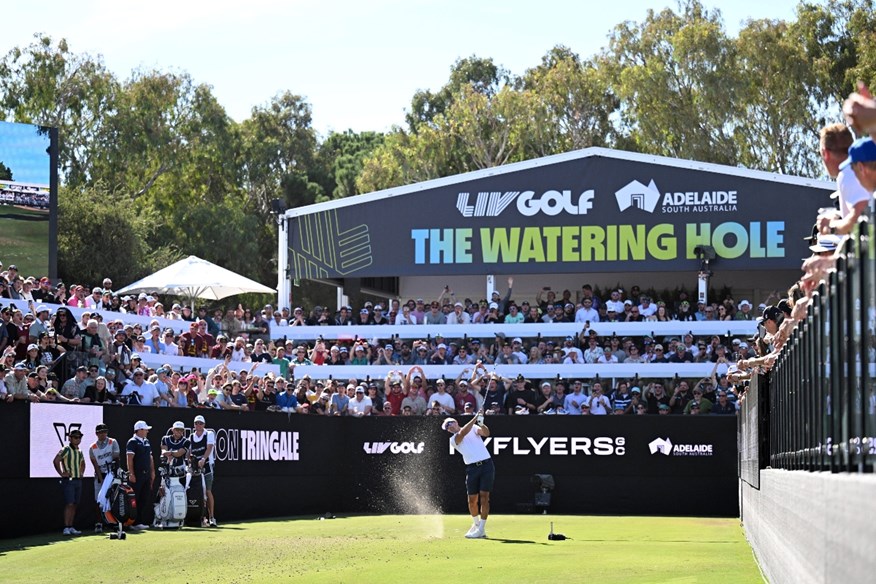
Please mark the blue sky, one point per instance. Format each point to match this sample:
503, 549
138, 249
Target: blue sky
356, 63
23, 151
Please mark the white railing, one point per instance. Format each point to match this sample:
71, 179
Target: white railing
553, 330
657, 330
643, 370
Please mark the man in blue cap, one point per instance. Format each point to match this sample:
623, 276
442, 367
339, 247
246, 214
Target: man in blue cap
862, 160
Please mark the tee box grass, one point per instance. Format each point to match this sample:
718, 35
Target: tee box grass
399, 548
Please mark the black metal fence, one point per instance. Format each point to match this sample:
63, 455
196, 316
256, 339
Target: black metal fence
821, 390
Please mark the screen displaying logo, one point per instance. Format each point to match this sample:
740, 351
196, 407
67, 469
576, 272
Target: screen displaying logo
665, 446
50, 427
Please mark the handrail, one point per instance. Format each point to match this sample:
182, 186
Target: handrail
822, 398
733, 328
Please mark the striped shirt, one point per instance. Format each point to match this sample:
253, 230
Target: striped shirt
103, 454
72, 461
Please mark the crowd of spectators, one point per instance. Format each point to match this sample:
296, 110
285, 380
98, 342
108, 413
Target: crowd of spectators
109, 366
585, 306
852, 163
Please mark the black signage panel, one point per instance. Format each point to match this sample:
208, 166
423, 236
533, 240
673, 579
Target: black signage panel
274, 464
596, 213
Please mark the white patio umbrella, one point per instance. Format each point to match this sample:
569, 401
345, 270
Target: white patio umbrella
196, 278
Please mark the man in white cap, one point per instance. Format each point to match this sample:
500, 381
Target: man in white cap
203, 444
744, 312
41, 324
458, 316
141, 472
95, 301
480, 472
175, 447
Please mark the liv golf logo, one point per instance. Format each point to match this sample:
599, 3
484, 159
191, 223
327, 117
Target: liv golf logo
666, 447
393, 447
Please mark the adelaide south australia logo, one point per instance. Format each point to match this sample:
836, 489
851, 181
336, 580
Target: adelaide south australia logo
666, 447
648, 197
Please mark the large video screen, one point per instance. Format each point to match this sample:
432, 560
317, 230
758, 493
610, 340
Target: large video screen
50, 427
28, 199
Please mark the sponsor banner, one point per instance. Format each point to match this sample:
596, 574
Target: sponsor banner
50, 427
554, 446
246, 443
233, 444
400, 464
625, 445
613, 213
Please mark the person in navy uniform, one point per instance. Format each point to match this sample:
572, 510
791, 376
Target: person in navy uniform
141, 472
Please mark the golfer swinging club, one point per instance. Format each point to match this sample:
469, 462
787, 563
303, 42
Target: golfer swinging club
479, 469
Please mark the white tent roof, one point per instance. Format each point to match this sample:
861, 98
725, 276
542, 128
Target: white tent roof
193, 277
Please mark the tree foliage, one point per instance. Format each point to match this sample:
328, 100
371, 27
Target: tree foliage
99, 233
49, 85
676, 82
776, 119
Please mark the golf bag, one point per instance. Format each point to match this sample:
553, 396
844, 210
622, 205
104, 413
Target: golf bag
120, 504
170, 510
196, 511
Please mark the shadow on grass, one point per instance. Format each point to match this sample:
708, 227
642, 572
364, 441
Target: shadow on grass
503, 540
17, 217
7, 547
10, 546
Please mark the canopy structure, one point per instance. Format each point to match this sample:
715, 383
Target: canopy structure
193, 278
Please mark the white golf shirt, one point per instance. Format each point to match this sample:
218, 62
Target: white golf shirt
471, 447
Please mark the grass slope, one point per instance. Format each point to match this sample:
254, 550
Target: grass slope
399, 548
24, 239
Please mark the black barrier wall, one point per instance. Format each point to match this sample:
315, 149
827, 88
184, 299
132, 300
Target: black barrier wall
282, 465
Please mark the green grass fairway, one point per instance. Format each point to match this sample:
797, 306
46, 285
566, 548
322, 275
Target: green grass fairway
399, 548
24, 239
